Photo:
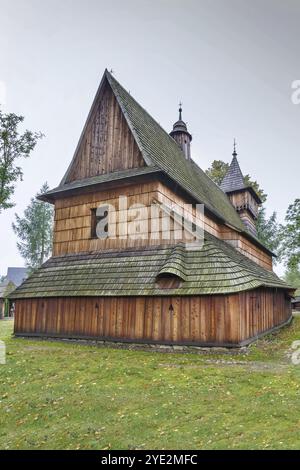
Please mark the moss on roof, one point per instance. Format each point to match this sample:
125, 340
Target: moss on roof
217, 268
161, 150
95, 180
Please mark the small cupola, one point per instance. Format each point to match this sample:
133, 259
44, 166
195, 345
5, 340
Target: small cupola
181, 135
244, 198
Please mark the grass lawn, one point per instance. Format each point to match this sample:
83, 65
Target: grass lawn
69, 396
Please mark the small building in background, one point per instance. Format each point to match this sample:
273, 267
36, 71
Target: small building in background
6, 287
296, 303
13, 279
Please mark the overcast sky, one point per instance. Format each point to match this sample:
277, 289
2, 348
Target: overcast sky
232, 63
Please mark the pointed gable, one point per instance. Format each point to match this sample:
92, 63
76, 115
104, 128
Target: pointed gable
106, 144
233, 179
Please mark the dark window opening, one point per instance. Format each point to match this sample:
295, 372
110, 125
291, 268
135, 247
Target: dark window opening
168, 281
95, 219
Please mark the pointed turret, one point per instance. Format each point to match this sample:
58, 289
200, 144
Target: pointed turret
234, 179
245, 200
181, 135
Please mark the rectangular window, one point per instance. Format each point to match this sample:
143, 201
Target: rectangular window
93, 223
95, 219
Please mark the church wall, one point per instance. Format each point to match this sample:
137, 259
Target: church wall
205, 320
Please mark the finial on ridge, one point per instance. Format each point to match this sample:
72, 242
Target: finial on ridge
234, 148
180, 111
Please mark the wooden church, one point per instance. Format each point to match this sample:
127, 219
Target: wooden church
150, 289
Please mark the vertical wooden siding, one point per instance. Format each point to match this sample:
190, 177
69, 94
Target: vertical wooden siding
202, 319
107, 144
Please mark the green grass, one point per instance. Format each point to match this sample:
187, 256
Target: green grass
69, 396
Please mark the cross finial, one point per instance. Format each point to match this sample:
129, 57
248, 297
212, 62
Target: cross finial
234, 148
180, 111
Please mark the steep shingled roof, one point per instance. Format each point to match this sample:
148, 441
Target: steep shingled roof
17, 275
160, 150
217, 268
233, 179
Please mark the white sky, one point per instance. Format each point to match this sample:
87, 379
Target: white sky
231, 63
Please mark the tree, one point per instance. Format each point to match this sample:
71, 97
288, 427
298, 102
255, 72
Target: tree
292, 277
268, 230
13, 146
34, 231
249, 182
217, 171
290, 236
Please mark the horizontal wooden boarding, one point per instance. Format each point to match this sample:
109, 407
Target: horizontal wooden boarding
72, 231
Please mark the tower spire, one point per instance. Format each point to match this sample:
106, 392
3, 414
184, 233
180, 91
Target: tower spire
180, 111
243, 198
234, 148
181, 135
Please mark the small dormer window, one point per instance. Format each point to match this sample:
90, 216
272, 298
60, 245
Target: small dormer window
168, 281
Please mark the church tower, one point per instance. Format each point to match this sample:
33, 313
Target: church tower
181, 135
244, 198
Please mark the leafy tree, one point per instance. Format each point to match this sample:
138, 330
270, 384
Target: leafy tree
217, 171
292, 277
13, 146
268, 230
249, 182
34, 231
290, 236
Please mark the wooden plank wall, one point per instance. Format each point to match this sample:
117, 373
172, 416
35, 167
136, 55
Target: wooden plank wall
203, 319
72, 228
261, 310
246, 247
242, 199
107, 144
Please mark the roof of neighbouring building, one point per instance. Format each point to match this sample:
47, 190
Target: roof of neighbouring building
16, 275
6, 287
